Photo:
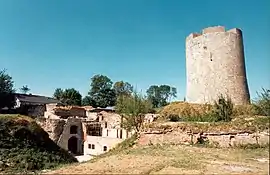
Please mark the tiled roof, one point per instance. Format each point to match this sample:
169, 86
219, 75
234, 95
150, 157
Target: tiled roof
35, 99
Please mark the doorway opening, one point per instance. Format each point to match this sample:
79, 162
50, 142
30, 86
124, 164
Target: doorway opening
73, 145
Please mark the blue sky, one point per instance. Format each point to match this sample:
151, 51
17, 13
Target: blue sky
47, 44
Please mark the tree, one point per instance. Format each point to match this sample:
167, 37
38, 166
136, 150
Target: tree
68, 96
101, 91
160, 95
122, 88
58, 93
25, 89
133, 109
6, 90
88, 101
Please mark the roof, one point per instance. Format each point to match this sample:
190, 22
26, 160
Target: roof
35, 99
103, 109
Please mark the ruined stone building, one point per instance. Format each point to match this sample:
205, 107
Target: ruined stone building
215, 65
83, 130
30, 105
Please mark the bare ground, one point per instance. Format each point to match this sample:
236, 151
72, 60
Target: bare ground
175, 159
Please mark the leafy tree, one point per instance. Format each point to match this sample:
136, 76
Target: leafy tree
68, 96
122, 88
160, 95
58, 93
133, 109
101, 91
88, 101
153, 95
25, 89
6, 90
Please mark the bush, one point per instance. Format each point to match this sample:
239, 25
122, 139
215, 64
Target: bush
24, 146
223, 109
262, 104
173, 118
240, 110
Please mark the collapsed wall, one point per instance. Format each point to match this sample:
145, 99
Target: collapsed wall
225, 139
54, 127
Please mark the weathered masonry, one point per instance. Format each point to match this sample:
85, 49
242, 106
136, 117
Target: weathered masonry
215, 65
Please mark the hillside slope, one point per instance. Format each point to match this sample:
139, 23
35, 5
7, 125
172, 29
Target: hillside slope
24, 146
174, 159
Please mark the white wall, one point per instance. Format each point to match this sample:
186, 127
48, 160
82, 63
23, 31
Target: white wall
114, 133
99, 143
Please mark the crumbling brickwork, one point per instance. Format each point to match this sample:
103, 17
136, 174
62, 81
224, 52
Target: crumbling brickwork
215, 65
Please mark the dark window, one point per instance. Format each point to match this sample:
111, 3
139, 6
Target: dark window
117, 133
120, 133
204, 47
73, 129
91, 146
107, 132
104, 148
94, 130
102, 118
106, 124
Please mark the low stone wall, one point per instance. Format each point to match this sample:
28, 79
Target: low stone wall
218, 139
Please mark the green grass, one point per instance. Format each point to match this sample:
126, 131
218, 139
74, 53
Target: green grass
26, 147
239, 124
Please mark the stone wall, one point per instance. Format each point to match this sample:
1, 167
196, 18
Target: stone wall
217, 139
54, 127
66, 135
113, 119
215, 65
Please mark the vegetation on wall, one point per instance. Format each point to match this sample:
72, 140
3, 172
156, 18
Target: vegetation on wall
222, 110
24, 146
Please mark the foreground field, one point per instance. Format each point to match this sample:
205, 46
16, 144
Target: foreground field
175, 159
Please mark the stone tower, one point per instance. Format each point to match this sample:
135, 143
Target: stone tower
215, 65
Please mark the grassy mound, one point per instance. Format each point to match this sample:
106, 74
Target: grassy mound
254, 124
24, 146
187, 110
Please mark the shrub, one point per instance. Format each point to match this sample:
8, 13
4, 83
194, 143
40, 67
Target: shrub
173, 118
24, 146
223, 108
262, 104
240, 110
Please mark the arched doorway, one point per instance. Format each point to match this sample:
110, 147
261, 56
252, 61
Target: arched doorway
73, 145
